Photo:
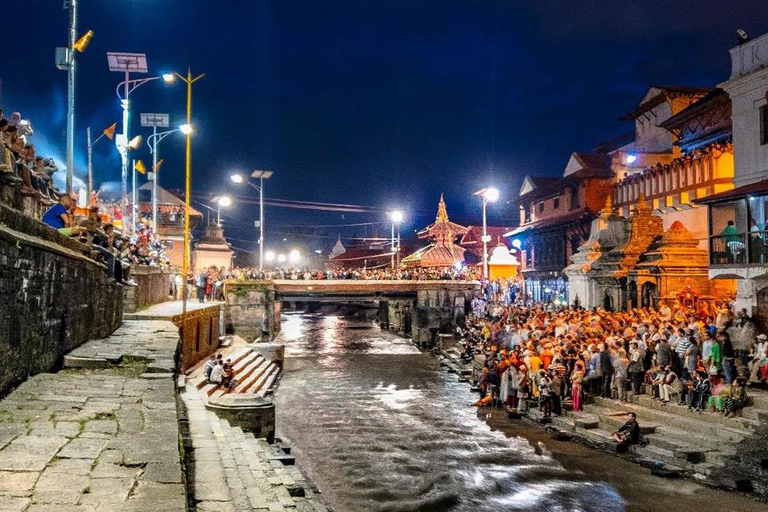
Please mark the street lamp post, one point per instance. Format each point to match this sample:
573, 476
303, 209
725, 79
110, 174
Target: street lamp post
220, 201
397, 218
261, 176
489, 195
128, 63
109, 132
71, 96
189, 80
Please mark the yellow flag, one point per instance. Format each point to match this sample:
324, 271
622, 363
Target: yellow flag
140, 167
110, 132
158, 165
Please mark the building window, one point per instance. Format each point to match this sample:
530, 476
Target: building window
556, 203
574, 197
764, 125
541, 207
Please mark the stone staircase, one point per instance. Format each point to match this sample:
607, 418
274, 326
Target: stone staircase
231, 470
254, 375
678, 441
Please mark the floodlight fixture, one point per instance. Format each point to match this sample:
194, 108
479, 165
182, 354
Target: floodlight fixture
186, 129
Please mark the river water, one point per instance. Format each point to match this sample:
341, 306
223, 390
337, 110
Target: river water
380, 427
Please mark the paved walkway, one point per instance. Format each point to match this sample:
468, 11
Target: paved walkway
167, 310
102, 436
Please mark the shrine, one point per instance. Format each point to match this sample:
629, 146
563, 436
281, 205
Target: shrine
442, 251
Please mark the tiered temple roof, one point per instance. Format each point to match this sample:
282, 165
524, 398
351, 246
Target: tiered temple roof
443, 251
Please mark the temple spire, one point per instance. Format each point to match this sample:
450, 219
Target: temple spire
442, 211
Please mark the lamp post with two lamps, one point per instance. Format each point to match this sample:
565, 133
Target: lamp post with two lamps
489, 195
397, 217
129, 63
261, 176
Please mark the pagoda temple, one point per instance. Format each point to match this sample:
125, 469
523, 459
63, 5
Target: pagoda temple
443, 251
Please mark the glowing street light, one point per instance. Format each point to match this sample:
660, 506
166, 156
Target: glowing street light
261, 176
156, 121
489, 195
269, 255
186, 129
397, 218
294, 256
281, 258
220, 201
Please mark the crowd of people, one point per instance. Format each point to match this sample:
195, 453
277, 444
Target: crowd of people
703, 361
219, 371
20, 165
119, 252
372, 274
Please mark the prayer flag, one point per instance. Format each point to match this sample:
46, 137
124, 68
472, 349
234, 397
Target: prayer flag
110, 132
158, 165
140, 167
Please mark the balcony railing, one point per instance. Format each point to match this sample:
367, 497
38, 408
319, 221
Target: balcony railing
739, 249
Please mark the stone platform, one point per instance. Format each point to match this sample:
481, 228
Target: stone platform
99, 436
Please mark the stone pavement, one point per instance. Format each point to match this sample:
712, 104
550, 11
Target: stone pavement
233, 471
99, 436
167, 310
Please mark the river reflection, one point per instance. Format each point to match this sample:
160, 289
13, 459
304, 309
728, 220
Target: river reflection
380, 427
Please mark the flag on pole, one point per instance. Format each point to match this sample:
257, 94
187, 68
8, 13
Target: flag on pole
110, 132
140, 167
158, 165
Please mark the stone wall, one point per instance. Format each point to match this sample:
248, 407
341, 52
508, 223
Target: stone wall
199, 335
250, 309
438, 311
153, 286
55, 297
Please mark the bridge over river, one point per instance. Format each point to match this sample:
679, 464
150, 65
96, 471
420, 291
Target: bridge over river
421, 308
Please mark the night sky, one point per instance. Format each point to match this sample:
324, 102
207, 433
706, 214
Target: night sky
369, 102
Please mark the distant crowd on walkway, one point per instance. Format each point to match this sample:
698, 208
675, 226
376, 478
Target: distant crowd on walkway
704, 360
363, 274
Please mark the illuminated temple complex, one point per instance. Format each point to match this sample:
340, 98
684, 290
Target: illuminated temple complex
623, 227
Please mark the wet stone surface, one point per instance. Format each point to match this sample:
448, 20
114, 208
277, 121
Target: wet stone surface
88, 439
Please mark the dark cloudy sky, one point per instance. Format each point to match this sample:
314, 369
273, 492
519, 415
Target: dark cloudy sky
372, 102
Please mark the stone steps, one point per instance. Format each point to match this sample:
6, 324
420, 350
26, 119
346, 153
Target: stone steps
655, 412
233, 470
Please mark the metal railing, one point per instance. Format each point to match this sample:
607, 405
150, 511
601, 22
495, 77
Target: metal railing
739, 248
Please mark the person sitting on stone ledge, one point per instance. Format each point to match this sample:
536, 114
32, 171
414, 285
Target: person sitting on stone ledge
737, 400
209, 366
629, 433
217, 373
58, 217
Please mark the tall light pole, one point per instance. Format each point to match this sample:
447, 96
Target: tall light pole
128, 63
220, 201
65, 60
153, 142
489, 195
261, 176
189, 80
397, 218
109, 133
71, 96
154, 121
